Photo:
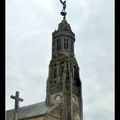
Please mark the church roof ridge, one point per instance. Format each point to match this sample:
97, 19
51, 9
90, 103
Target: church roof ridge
52, 108
28, 111
27, 105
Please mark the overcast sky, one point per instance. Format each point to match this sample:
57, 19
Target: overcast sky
29, 27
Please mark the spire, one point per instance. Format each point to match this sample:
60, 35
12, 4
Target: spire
64, 25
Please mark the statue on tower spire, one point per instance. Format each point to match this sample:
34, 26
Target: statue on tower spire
63, 13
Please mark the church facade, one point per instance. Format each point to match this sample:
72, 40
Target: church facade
64, 87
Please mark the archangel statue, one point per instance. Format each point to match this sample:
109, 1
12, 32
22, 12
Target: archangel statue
63, 13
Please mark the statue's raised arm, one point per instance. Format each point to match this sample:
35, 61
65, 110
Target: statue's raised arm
64, 5
63, 13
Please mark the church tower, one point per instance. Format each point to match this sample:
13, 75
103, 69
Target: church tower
63, 84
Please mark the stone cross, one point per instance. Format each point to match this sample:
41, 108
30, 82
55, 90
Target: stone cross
17, 100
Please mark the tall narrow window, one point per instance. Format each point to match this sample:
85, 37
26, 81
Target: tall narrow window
61, 68
53, 45
71, 45
65, 43
67, 66
58, 44
55, 71
71, 68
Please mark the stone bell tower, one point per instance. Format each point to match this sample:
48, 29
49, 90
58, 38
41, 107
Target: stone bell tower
63, 84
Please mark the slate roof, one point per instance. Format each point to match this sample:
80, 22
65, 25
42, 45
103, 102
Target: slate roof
30, 111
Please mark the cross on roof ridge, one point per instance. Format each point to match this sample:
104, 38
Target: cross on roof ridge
17, 100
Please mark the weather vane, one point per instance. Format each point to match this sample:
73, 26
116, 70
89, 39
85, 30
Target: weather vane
63, 13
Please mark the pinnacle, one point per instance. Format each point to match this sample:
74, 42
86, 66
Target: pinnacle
64, 25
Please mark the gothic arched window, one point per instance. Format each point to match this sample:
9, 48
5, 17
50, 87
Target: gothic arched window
58, 44
65, 43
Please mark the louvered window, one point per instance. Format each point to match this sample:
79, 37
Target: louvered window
55, 71
58, 44
65, 43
